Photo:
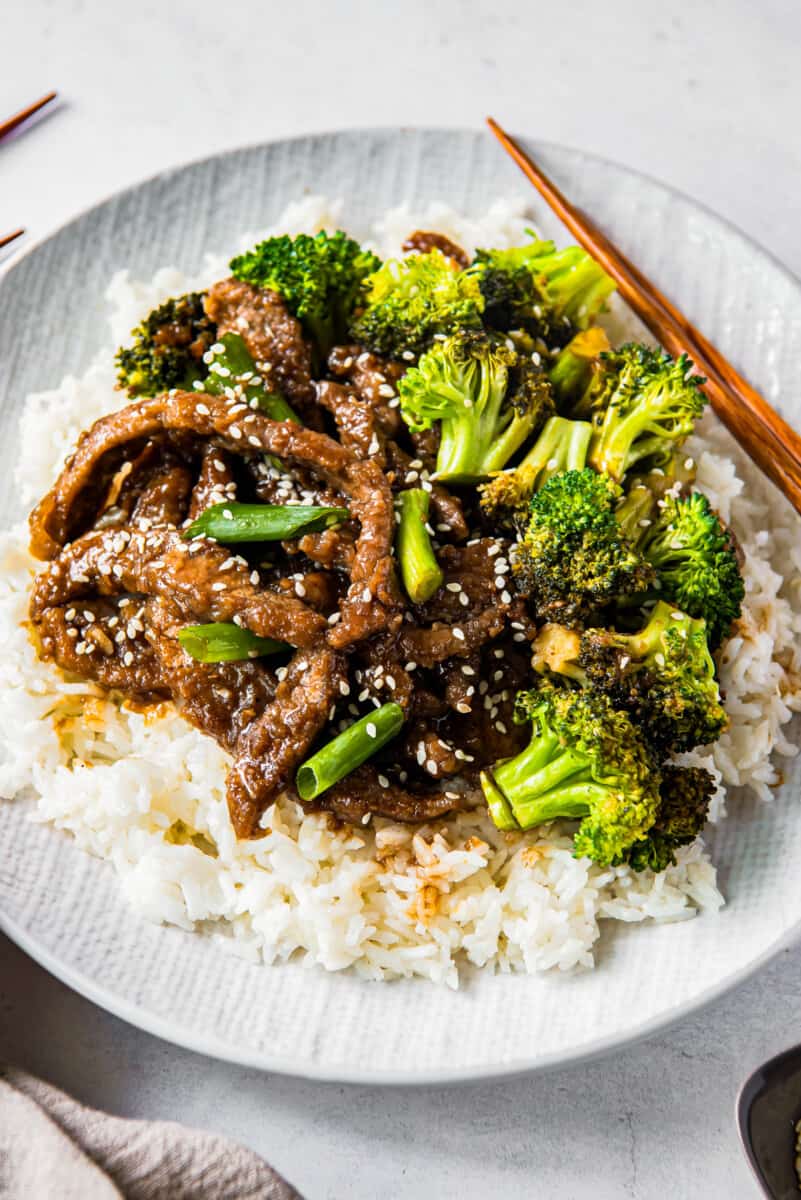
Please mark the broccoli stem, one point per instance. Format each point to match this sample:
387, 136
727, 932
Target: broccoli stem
468, 441
633, 510
348, 751
233, 366
421, 573
533, 783
561, 446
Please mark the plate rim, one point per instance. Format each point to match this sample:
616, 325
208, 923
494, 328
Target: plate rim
215, 1048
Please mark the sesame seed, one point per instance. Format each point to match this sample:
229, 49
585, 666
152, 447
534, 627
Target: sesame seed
431, 767
463, 707
371, 729
254, 577
499, 725
127, 658
458, 633
493, 550
218, 587
202, 409
383, 781
453, 587
506, 598
411, 665
467, 670
344, 688
70, 614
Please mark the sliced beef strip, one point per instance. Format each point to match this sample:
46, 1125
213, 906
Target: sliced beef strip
95, 650
422, 241
333, 548
222, 699
274, 745
355, 420
215, 482
374, 381
209, 584
473, 568
460, 640
272, 335
164, 498
372, 601
361, 793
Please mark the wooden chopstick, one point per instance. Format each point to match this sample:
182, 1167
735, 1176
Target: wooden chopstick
24, 114
10, 237
773, 445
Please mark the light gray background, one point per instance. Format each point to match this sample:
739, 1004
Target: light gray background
705, 97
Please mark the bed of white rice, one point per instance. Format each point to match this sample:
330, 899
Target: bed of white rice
385, 900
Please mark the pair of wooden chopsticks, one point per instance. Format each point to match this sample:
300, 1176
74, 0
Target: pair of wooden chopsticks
763, 434
8, 127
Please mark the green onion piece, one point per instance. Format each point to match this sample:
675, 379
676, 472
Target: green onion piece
228, 366
421, 572
225, 642
232, 522
348, 751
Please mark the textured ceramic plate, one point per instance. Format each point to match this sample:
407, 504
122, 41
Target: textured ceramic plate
65, 908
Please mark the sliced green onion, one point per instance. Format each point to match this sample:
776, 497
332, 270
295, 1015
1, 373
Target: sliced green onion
225, 642
232, 522
422, 574
348, 751
233, 366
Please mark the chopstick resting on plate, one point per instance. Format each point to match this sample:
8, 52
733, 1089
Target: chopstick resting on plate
773, 445
25, 114
5, 239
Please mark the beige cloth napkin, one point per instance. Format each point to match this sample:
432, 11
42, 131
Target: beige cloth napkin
51, 1146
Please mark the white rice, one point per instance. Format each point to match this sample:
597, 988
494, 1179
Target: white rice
386, 900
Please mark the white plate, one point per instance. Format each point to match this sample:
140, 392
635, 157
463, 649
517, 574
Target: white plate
64, 907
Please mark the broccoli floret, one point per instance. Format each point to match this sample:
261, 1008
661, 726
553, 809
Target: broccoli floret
697, 562
572, 559
684, 796
411, 301
645, 404
662, 675
485, 400
321, 279
168, 348
549, 292
585, 760
574, 369
562, 445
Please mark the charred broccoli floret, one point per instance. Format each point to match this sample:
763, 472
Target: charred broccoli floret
697, 562
684, 796
586, 761
550, 293
411, 301
483, 398
574, 369
168, 348
663, 675
562, 445
645, 404
572, 558
321, 279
